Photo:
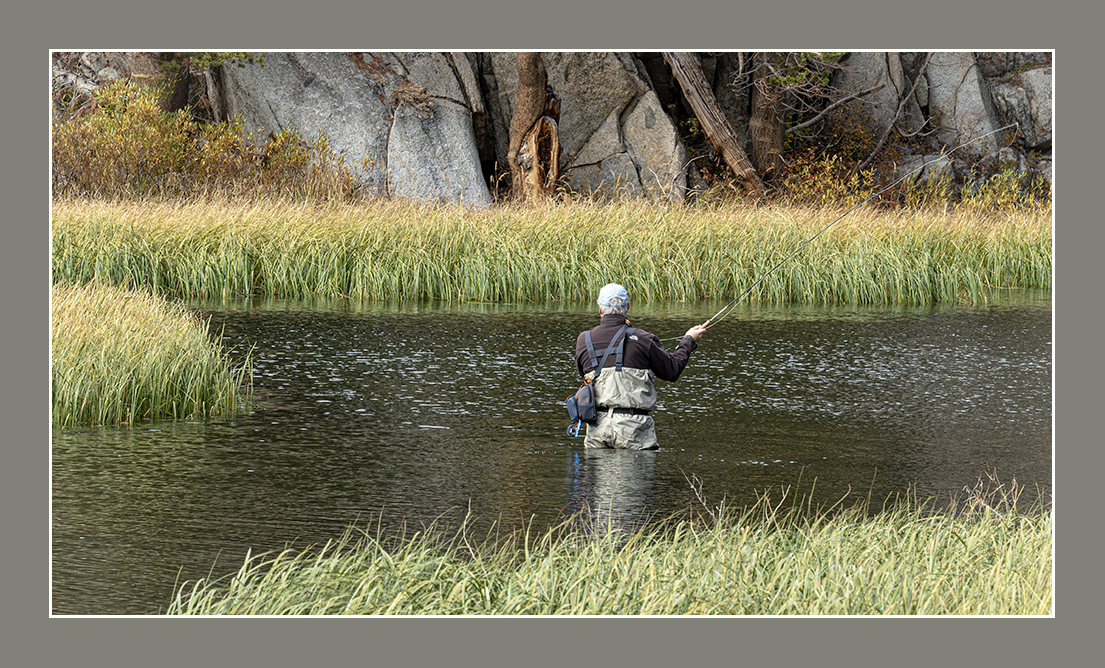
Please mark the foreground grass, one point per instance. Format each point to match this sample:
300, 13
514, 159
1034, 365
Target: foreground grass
401, 251
900, 562
119, 356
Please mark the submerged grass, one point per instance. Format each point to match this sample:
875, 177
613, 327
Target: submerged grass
121, 355
905, 560
404, 251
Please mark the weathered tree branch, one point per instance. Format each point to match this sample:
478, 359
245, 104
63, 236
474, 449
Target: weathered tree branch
817, 119
688, 73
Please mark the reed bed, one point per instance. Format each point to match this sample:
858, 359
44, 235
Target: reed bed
402, 251
904, 561
121, 355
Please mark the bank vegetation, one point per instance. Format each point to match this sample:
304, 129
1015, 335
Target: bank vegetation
149, 198
404, 251
982, 557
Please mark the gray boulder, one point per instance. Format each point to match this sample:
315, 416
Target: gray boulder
590, 86
1002, 160
921, 91
924, 168
602, 165
655, 148
431, 151
615, 176
959, 103
1044, 168
995, 64
397, 120
911, 67
866, 70
1025, 99
319, 93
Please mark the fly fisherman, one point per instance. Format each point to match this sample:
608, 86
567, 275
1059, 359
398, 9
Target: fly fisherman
625, 397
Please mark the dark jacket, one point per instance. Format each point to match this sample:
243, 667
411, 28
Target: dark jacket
646, 352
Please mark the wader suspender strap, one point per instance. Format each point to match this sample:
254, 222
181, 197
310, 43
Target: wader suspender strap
621, 349
596, 365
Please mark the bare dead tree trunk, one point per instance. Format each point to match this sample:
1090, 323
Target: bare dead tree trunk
539, 159
766, 125
534, 151
688, 72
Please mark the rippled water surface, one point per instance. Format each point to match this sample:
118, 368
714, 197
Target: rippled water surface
392, 414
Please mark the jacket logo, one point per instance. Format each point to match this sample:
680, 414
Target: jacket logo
634, 337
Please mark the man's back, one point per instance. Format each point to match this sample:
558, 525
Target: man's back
624, 397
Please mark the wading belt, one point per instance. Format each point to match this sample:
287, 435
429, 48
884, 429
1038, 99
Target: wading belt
621, 411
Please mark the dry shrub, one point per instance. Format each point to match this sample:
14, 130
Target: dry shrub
121, 144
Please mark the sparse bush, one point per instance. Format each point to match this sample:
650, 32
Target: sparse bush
121, 144
826, 180
1007, 190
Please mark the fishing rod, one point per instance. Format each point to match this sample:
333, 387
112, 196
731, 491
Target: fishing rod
718, 316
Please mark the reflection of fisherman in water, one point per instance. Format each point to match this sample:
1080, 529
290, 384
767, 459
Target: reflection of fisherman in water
612, 489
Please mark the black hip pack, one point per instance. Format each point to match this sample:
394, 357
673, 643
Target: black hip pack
581, 405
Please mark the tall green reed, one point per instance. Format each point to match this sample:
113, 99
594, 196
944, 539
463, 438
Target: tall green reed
120, 356
402, 251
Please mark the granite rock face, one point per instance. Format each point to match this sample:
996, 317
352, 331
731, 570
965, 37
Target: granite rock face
401, 121
435, 125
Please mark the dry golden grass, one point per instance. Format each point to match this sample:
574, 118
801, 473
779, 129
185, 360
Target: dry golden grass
765, 560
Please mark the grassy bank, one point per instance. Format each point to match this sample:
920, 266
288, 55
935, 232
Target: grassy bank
120, 356
404, 251
904, 561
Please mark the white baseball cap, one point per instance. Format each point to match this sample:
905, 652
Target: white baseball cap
613, 294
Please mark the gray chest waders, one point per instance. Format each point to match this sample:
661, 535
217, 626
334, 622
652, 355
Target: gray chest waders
581, 405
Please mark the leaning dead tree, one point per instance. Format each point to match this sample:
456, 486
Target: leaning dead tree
688, 72
534, 151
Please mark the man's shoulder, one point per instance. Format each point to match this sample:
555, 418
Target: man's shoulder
641, 334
